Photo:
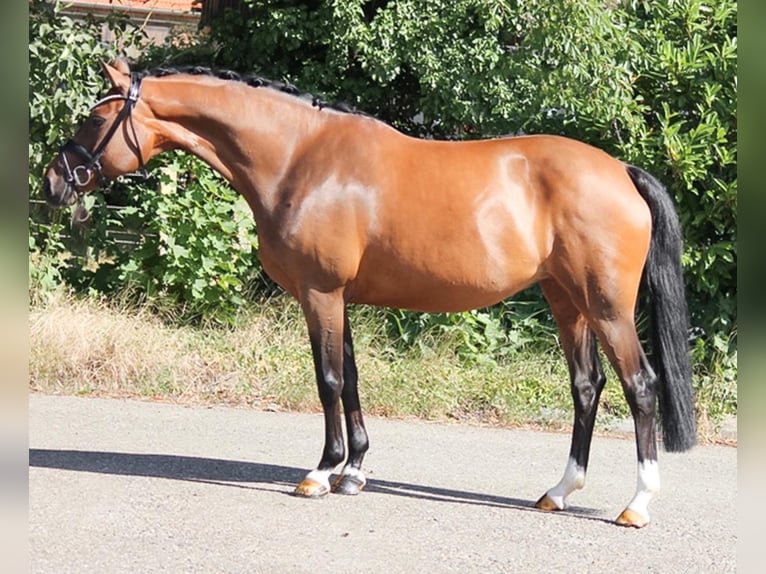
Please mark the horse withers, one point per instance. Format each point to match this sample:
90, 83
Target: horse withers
349, 210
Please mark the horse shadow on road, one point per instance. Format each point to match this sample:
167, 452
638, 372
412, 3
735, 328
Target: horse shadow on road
250, 474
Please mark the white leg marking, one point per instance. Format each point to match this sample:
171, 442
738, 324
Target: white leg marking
320, 476
354, 473
573, 479
648, 486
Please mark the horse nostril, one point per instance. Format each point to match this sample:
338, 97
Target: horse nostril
55, 198
47, 191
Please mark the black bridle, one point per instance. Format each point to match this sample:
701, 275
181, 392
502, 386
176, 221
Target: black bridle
81, 175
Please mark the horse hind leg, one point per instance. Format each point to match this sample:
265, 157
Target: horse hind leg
586, 381
639, 384
611, 319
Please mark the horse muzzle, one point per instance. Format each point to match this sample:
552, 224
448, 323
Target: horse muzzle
58, 193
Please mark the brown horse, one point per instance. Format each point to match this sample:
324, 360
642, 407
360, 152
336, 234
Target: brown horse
349, 210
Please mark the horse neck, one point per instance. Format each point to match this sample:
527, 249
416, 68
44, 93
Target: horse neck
247, 134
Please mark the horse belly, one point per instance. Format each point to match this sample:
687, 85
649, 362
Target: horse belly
432, 296
445, 276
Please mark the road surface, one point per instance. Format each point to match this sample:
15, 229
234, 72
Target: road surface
130, 486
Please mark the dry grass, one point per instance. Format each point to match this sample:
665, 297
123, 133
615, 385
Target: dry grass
86, 348
79, 347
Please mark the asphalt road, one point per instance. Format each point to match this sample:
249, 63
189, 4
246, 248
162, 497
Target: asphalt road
128, 486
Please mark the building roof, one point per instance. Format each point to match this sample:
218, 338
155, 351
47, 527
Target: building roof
160, 5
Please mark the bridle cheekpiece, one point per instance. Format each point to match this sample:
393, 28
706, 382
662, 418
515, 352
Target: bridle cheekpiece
81, 175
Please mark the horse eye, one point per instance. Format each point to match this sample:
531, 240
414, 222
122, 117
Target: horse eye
97, 121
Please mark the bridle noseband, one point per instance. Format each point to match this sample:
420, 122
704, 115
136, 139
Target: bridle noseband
80, 175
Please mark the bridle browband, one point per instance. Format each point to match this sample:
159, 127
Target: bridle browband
80, 175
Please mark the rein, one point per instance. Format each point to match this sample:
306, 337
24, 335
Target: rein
80, 175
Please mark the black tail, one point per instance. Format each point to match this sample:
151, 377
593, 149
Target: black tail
663, 276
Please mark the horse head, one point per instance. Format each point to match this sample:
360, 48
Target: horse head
110, 142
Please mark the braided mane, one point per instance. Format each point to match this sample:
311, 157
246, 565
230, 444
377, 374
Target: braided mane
253, 80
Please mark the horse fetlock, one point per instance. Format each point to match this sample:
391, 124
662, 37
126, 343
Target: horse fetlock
333, 455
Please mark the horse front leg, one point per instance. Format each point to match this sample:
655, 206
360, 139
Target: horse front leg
351, 479
336, 374
324, 317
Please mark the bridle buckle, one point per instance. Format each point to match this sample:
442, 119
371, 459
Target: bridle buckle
82, 175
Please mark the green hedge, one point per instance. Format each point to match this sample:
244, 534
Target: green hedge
654, 83
191, 243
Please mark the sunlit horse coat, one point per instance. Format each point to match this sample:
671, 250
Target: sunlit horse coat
349, 210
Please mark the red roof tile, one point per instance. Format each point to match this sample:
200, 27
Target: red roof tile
166, 5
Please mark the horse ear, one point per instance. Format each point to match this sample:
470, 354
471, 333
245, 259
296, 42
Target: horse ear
118, 74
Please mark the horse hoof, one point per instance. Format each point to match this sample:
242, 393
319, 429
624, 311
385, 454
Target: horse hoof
348, 484
309, 488
632, 519
546, 503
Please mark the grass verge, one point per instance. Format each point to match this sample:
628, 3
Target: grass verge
81, 347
